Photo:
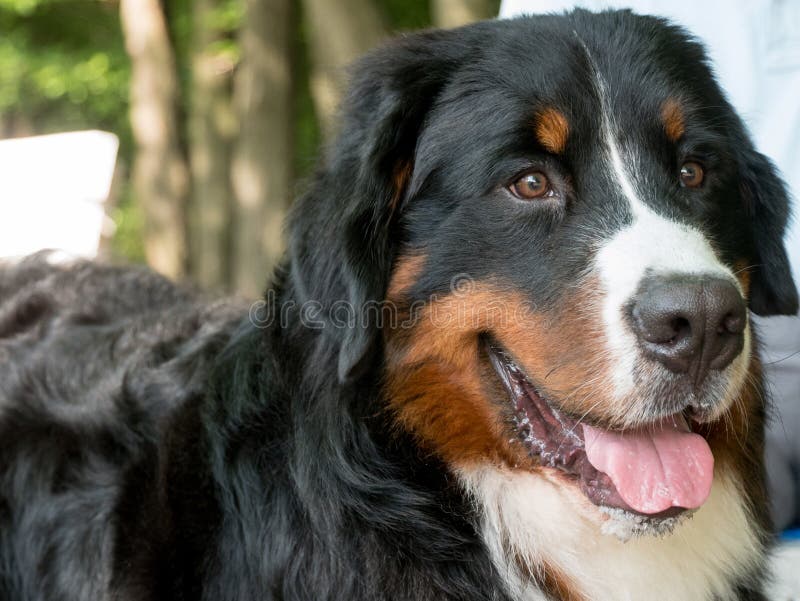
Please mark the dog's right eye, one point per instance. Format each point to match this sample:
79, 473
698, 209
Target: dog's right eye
692, 174
531, 185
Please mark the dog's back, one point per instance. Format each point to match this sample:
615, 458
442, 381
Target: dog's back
95, 361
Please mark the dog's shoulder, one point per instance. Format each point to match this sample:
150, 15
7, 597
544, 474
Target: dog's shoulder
42, 285
81, 339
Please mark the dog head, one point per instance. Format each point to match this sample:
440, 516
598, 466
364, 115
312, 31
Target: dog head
551, 230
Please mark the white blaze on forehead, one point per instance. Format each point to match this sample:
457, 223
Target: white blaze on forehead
649, 245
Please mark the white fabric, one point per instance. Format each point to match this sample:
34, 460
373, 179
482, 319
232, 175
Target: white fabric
52, 190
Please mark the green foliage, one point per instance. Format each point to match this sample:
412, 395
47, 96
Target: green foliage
307, 131
403, 15
127, 241
21, 7
63, 66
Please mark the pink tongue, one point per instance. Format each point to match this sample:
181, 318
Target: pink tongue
654, 468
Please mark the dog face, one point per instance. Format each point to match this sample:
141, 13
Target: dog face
571, 223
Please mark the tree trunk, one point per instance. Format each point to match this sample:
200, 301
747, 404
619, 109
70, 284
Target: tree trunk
160, 177
262, 161
16, 125
339, 32
211, 129
454, 13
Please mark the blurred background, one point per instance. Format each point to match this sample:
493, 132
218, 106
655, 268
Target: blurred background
218, 108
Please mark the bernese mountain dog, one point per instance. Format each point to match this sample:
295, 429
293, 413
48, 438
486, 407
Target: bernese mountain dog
507, 355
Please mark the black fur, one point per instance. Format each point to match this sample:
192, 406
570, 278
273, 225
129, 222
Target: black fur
158, 446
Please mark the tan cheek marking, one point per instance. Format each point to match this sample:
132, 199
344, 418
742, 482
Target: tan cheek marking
447, 411
736, 439
552, 130
565, 352
727, 434
406, 271
742, 272
400, 178
441, 391
434, 382
673, 119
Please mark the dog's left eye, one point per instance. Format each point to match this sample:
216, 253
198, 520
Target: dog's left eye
531, 185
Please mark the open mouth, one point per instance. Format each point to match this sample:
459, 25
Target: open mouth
655, 471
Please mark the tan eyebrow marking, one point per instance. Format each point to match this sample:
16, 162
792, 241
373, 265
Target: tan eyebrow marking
742, 269
552, 130
673, 119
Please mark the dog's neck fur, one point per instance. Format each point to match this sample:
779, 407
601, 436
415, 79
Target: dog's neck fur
530, 519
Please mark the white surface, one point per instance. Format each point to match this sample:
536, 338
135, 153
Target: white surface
786, 566
52, 190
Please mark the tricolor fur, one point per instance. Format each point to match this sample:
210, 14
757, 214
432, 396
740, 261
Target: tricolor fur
405, 415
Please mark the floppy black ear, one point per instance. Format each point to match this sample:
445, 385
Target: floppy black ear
772, 290
341, 242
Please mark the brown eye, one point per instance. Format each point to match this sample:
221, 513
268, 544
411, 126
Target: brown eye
531, 186
692, 174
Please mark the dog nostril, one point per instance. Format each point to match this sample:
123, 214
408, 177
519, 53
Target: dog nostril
732, 324
660, 327
681, 328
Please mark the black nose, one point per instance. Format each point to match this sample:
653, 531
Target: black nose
691, 325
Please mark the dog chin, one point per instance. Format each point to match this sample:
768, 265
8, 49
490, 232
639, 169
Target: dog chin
626, 525
615, 521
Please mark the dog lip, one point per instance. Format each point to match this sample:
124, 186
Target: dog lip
698, 414
553, 436
527, 396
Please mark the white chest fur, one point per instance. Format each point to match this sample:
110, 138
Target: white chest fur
545, 522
